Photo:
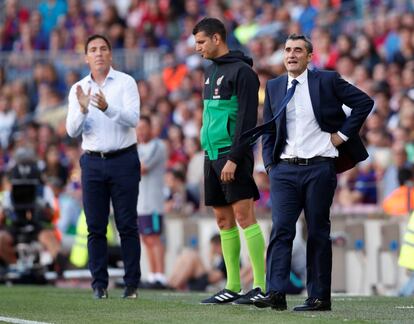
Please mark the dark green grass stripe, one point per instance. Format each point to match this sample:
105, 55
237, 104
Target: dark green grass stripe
58, 305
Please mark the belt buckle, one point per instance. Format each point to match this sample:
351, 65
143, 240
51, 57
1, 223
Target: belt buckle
293, 160
302, 161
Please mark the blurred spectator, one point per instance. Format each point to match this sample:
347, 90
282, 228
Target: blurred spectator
177, 157
345, 66
114, 24
51, 12
179, 198
183, 116
390, 180
364, 52
406, 49
153, 157
195, 170
248, 26
173, 73
15, 16
344, 45
324, 56
307, 17
45, 137
357, 186
406, 121
74, 17
69, 203
20, 106
190, 273
2, 76
7, 121
49, 100
53, 166
401, 201
153, 16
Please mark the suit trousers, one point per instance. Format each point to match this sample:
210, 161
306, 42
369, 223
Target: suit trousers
104, 180
295, 188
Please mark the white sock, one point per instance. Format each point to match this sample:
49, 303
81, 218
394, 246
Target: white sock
151, 277
160, 277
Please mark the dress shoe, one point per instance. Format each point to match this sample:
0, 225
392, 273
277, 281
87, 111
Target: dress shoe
100, 293
314, 304
275, 300
130, 293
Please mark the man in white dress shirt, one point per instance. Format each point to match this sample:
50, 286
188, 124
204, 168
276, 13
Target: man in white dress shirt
302, 151
104, 108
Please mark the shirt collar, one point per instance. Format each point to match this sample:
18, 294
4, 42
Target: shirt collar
111, 75
301, 78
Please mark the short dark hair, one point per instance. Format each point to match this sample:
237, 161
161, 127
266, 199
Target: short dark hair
211, 26
178, 175
308, 43
96, 36
404, 176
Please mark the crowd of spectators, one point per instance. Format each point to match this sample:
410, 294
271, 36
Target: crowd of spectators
370, 43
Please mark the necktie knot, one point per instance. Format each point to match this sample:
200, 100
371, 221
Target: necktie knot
294, 82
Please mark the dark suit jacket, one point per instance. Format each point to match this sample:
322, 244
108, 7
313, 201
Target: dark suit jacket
328, 91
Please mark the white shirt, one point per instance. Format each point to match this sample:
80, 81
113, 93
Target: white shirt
114, 128
305, 139
151, 197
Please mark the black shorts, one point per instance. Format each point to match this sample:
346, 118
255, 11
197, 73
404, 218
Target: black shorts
150, 224
223, 194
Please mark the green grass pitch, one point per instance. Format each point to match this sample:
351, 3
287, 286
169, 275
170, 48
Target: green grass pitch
60, 305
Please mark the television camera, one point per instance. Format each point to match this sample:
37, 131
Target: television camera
26, 215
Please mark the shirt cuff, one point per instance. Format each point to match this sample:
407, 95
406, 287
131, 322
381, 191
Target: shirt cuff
110, 112
344, 137
268, 168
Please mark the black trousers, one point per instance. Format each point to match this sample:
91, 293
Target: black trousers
295, 188
115, 179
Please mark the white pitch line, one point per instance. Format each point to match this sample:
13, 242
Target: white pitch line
19, 321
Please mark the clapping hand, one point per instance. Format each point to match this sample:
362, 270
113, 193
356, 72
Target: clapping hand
83, 99
99, 101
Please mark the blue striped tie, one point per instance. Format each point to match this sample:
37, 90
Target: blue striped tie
253, 134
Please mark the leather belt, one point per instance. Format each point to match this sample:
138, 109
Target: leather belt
300, 161
111, 154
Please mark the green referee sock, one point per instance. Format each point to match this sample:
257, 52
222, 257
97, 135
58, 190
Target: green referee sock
256, 246
230, 244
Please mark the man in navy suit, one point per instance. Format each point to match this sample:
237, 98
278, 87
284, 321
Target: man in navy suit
309, 141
